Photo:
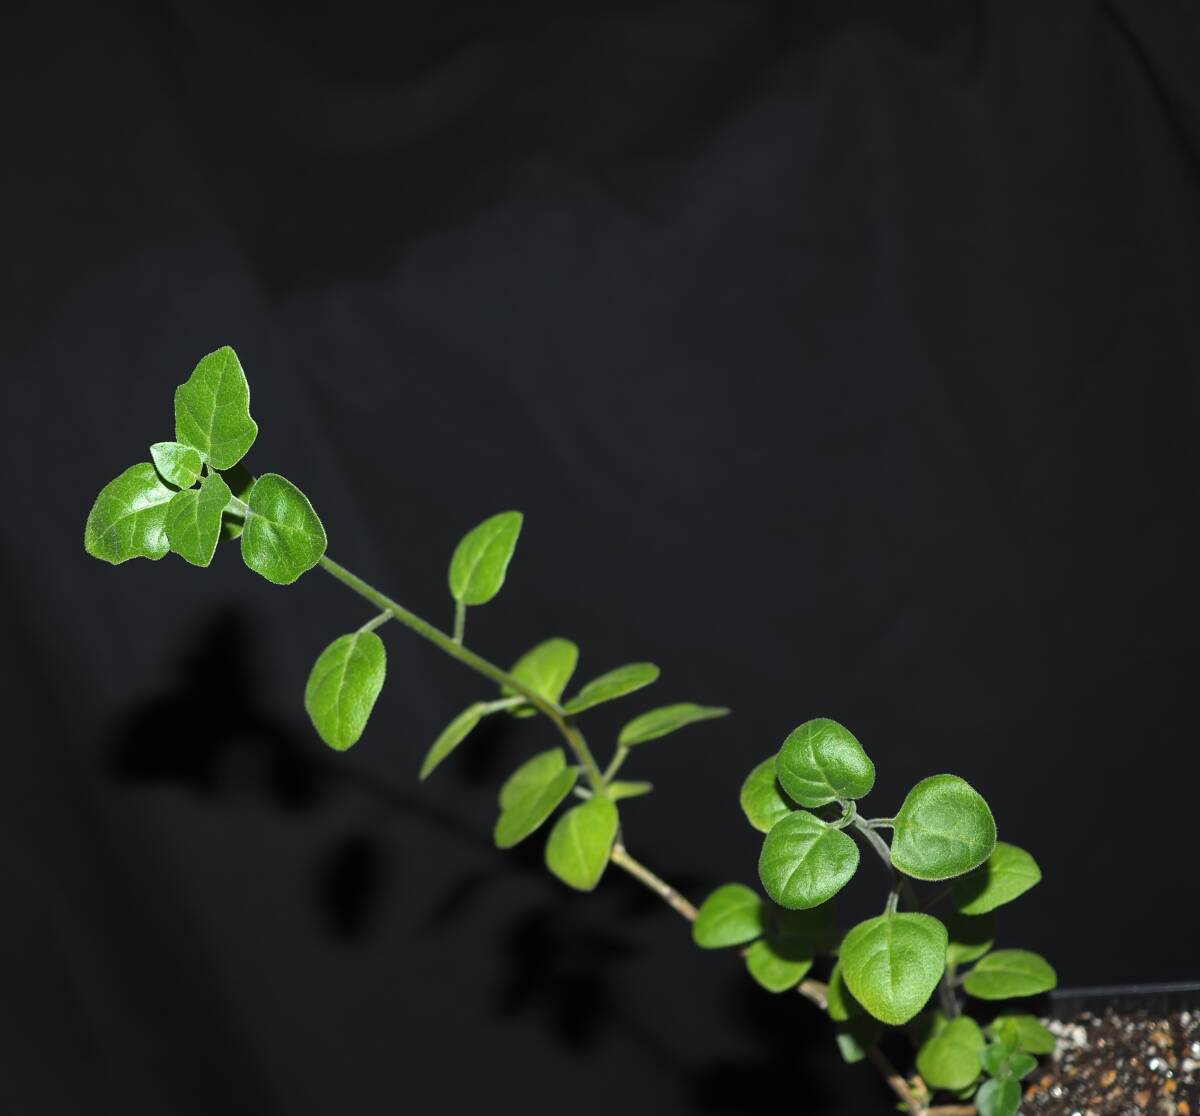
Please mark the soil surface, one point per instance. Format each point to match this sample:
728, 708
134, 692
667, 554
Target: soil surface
1118, 1065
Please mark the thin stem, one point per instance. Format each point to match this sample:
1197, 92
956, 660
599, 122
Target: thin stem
898, 1085
873, 838
619, 757
460, 621
893, 899
950, 1005
371, 625
849, 813
882, 823
660, 887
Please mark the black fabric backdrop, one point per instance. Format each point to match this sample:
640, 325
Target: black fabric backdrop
843, 359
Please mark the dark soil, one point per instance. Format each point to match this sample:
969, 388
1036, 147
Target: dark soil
1118, 1065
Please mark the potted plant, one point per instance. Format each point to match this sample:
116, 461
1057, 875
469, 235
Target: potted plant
925, 967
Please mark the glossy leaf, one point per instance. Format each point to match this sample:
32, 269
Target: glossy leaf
1009, 872
762, 797
282, 538
821, 761
129, 517
998, 1096
616, 683
619, 790
194, 520
178, 464
580, 843
530, 794
212, 410
805, 862
667, 719
343, 686
452, 736
944, 828
240, 481
546, 669
971, 936
1025, 1032
1008, 973
892, 964
779, 965
480, 560
950, 1060
732, 915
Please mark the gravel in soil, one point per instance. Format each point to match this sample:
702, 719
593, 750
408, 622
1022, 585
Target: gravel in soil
1120, 1065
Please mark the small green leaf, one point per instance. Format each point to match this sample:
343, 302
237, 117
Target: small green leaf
762, 797
779, 965
999, 1096
619, 790
530, 794
452, 736
1022, 1065
580, 843
194, 520
283, 537
240, 481
892, 964
342, 688
943, 829
856, 1030
212, 410
129, 517
179, 465
546, 669
1008, 973
1026, 1033
994, 1059
616, 683
950, 1060
971, 936
1010, 871
732, 915
840, 1002
821, 761
481, 559
669, 718
805, 861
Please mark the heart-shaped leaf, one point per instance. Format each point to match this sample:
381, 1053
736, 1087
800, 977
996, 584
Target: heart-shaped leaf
732, 915
821, 761
179, 465
581, 841
950, 1060
779, 965
282, 537
1009, 872
480, 560
212, 410
669, 718
1023, 1032
616, 683
944, 828
892, 964
343, 686
1008, 973
194, 519
452, 736
998, 1096
129, 517
546, 669
762, 797
530, 795
805, 862
971, 936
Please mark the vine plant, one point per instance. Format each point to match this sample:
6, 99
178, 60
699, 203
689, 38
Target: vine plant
902, 969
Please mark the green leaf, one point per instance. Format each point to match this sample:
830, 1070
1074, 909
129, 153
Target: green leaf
240, 481
840, 1002
762, 797
994, 1059
129, 517
452, 736
194, 520
342, 688
283, 537
856, 1030
950, 1060
212, 410
971, 936
732, 915
1010, 871
943, 829
1025, 1031
821, 761
179, 465
892, 964
529, 796
616, 683
1010, 972
619, 790
481, 559
579, 845
999, 1096
779, 965
669, 718
1022, 1065
546, 669
804, 861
